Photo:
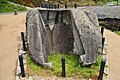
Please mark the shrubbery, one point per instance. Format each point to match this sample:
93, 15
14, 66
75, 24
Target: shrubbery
34, 3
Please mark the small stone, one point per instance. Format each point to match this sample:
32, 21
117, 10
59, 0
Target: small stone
50, 65
30, 78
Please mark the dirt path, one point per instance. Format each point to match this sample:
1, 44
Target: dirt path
10, 30
113, 41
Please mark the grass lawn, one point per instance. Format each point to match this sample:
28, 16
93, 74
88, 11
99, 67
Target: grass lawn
7, 7
73, 68
117, 32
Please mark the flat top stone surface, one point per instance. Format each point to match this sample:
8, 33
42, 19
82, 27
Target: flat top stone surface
60, 9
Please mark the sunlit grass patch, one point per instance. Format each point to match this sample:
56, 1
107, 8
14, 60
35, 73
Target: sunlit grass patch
7, 7
73, 67
117, 32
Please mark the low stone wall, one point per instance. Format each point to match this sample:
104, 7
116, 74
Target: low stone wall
112, 24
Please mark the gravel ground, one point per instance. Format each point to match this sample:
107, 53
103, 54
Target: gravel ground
10, 32
113, 41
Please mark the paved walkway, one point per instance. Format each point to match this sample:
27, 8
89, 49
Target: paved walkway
10, 30
113, 41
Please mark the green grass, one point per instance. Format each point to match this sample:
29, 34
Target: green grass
117, 32
115, 2
73, 67
7, 7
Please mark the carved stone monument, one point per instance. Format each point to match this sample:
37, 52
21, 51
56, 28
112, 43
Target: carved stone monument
70, 31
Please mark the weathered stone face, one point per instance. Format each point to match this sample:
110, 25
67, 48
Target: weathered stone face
89, 35
66, 31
